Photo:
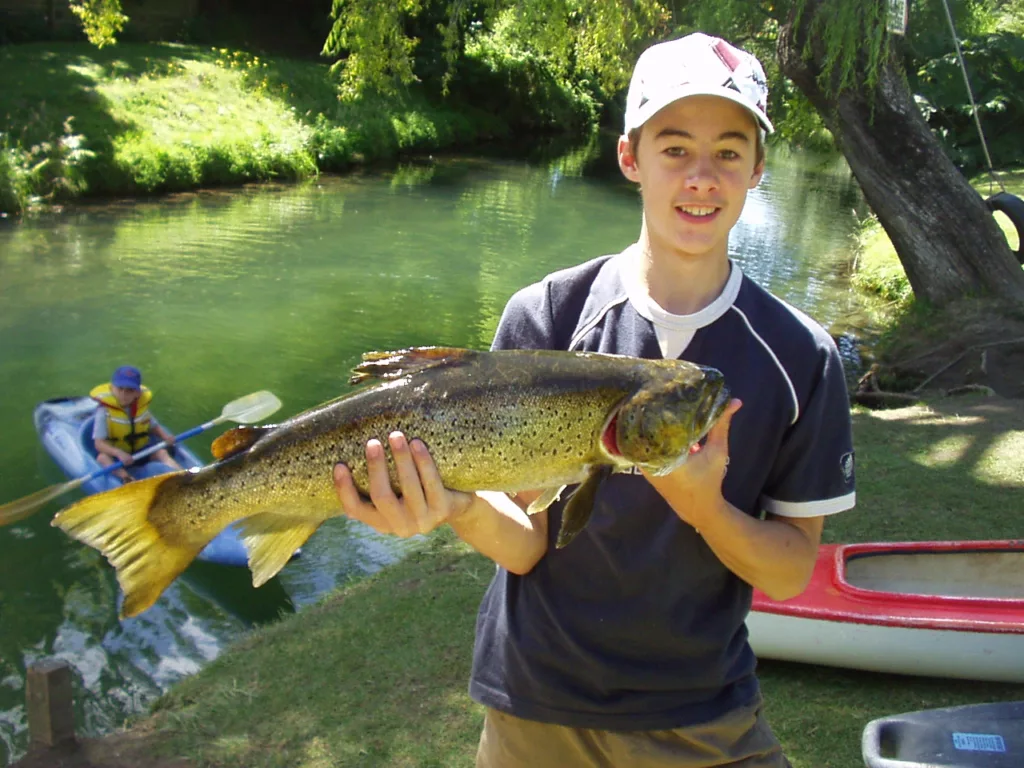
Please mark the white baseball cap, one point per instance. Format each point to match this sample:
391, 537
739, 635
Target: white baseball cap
695, 65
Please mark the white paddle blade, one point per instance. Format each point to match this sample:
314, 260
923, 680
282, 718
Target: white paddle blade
251, 408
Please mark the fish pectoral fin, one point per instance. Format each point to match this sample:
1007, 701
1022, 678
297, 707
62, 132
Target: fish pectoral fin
271, 538
144, 556
236, 440
580, 505
401, 362
545, 500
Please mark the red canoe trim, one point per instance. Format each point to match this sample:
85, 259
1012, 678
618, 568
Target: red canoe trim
830, 597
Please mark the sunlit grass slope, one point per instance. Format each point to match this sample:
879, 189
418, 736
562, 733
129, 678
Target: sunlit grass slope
148, 118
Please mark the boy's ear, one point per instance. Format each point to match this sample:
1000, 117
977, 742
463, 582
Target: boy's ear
755, 179
627, 160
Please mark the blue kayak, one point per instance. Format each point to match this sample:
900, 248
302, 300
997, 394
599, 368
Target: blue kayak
64, 426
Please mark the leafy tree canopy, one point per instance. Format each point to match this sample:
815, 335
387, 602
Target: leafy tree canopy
102, 20
597, 38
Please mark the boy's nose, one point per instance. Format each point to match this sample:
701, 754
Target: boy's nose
702, 175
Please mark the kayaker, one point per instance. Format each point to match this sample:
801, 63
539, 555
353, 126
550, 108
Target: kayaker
628, 647
123, 422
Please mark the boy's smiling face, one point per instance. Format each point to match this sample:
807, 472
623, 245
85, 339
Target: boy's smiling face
695, 162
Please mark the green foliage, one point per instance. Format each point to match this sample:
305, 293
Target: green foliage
521, 86
853, 35
995, 66
928, 30
12, 189
102, 20
44, 172
1010, 16
372, 35
579, 39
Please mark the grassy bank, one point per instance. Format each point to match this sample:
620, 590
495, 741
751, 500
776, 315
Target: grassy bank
145, 118
878, 267
376, 674
973, 341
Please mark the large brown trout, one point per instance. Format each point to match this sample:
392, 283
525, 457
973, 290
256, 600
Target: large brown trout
499, 421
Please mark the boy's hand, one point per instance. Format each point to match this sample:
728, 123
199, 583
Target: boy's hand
424, 502
694, 490
125, 458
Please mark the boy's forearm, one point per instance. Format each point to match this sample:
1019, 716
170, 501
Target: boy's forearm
774, 555
102, 446
499, 528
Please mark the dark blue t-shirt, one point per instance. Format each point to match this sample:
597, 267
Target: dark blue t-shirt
637, 625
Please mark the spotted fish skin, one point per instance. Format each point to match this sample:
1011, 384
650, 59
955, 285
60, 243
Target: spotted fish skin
509, 421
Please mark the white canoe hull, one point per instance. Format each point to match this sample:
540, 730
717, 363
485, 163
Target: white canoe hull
940, 609
878, 648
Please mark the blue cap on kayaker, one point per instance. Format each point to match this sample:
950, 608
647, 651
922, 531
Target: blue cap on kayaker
128, 377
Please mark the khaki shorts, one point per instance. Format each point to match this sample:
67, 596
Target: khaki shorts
740, 739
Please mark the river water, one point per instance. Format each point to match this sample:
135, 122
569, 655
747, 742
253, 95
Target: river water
217, 294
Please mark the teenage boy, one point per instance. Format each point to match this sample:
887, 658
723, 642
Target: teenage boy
123, 422
628, 647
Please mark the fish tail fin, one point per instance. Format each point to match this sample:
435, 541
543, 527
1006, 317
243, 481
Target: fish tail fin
117, 524
401, 362
271, 539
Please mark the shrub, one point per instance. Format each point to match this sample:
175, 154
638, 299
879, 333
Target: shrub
995, 66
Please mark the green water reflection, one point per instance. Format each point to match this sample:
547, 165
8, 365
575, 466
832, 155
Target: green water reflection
222, 293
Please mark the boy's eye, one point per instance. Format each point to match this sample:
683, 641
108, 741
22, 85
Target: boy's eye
675, 151
729, 154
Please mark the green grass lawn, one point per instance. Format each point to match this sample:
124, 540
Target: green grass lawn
376, 674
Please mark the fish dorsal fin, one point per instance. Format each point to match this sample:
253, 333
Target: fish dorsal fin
271, 538
401, 362
236, 440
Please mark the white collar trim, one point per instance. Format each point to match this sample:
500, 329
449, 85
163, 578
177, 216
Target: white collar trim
645, 306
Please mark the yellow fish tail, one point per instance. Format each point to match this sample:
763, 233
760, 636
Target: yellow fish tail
117, 524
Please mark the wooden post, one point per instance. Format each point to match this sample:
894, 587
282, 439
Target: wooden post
51, 717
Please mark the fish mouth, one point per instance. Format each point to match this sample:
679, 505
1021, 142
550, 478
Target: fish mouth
608, 436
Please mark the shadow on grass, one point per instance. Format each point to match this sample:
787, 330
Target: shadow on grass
45, 89
43, 85
947, 471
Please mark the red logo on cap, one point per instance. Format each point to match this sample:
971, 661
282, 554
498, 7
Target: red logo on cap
727, 54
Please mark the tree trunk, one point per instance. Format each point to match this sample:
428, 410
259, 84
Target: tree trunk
946, 238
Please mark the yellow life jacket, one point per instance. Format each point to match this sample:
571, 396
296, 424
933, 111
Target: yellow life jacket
128, 431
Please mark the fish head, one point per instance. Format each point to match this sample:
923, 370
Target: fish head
655, 428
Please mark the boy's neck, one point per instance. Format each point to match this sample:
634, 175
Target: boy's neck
681, 284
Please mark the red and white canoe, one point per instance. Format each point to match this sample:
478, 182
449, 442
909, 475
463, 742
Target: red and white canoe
935, 608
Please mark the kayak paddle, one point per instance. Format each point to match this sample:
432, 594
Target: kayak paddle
244, 410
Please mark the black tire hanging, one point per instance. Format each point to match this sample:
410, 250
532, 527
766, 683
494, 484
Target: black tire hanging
1013, 207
